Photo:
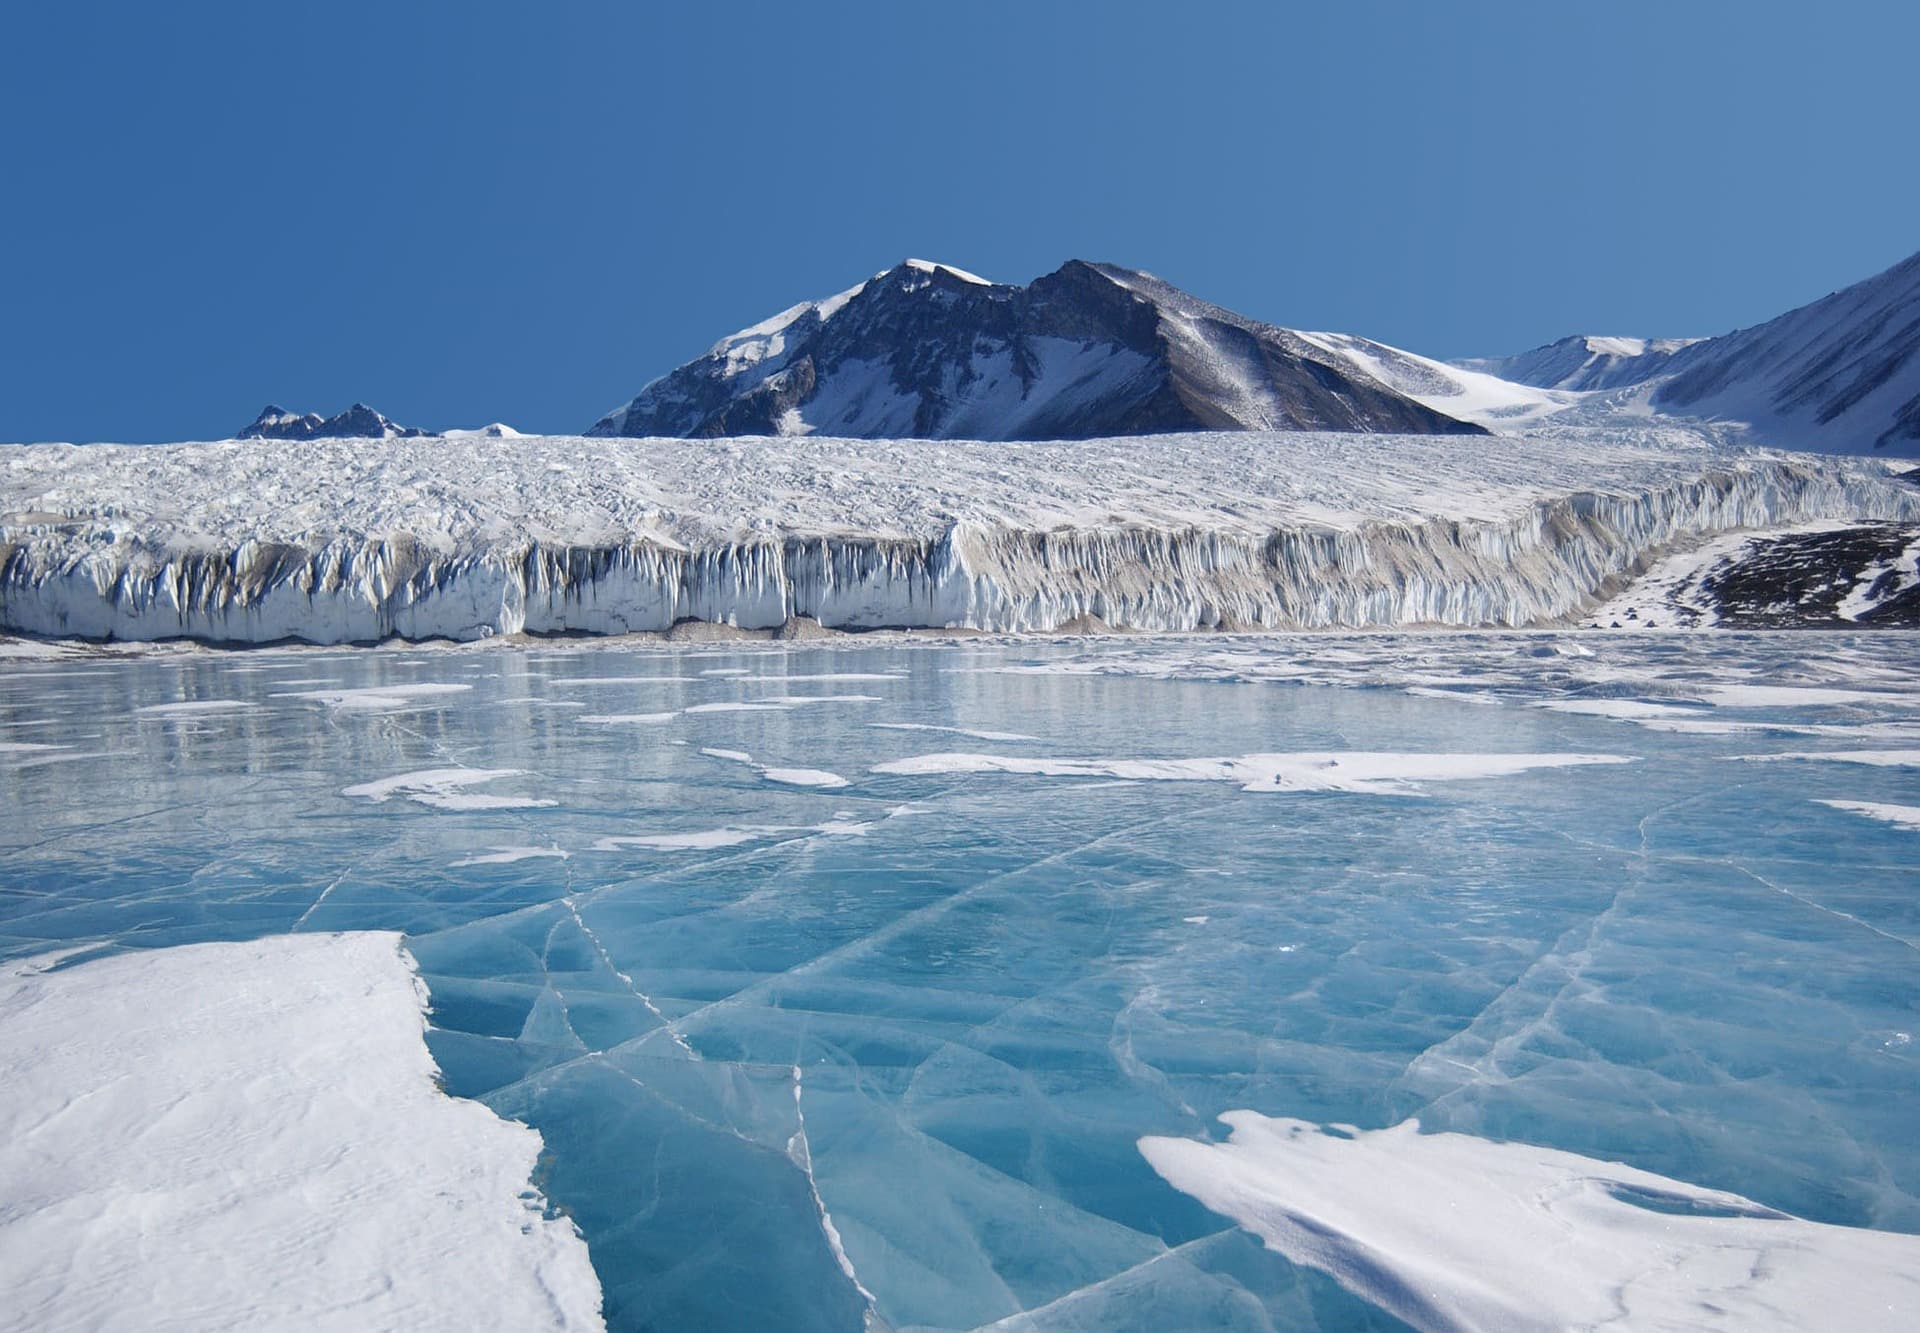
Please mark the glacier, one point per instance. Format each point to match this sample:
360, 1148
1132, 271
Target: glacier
331, 541
940, 1035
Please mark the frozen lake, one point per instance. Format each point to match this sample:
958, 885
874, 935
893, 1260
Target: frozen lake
844, 982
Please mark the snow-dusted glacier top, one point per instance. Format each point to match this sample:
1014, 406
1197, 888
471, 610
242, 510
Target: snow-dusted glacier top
346, 541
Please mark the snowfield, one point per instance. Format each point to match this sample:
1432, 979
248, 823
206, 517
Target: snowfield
335, 541
248, 1136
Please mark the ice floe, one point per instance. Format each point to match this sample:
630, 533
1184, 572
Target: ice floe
1453, 1232
1331, 771
840, 826
194, 708
971, 733
445, 789
1905, 816
248, 1136
501, 856
376, 699
786, 777
1873, 758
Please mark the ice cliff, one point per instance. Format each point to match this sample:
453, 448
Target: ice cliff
334, 541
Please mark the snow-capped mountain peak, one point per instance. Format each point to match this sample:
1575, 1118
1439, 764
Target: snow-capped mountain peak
928, 266
928, 350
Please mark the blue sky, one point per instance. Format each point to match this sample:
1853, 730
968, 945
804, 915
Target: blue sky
472, 211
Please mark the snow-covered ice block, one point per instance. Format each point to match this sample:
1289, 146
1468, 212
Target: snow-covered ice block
1448, 1231
248, 1136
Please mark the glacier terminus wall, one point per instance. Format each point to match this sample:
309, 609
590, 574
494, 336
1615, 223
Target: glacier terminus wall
344, 541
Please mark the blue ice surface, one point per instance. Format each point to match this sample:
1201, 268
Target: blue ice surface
942, 1009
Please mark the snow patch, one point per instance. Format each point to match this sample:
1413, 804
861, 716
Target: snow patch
1904, 816
246, 1136
786, 777
1447, 1231
445, 789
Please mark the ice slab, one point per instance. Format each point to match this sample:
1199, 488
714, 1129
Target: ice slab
1448, 1232
248, 1136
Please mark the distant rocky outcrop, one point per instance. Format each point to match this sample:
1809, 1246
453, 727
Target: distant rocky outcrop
357, 422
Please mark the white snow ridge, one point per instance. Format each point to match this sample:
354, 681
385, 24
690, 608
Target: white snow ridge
331, 542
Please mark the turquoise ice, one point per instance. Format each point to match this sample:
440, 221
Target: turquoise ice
843, 982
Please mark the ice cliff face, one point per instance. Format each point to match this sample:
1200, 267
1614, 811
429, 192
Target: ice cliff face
928, 351
470, 538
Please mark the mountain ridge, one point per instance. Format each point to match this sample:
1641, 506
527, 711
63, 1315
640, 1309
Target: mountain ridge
1840, 374
927, 350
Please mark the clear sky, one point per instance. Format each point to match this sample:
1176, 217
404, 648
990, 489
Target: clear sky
473, 211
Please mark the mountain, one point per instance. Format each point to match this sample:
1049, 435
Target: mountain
925, 350
1584, 362
1840, 375
357, 422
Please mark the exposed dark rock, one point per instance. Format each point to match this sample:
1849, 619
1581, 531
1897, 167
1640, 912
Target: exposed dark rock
1802, 579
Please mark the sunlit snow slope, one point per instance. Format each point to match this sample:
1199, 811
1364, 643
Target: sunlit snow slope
335, 541
1839, 375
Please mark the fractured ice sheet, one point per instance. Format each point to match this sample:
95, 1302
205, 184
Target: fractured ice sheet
1453, 1232
247, 1136
994, 984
